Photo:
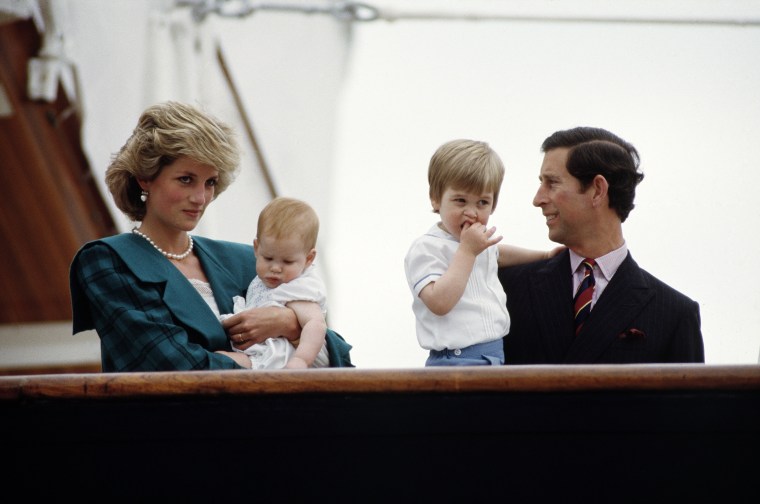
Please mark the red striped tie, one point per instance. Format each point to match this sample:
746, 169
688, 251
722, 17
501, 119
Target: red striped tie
582, 302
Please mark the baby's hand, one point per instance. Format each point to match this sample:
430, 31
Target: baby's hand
476, 237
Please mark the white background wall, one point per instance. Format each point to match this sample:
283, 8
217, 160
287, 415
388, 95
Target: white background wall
687, 96
348, 119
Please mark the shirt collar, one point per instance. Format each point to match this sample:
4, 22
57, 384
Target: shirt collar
607, 264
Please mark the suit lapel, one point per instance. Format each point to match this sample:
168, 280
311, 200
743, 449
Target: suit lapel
621, 301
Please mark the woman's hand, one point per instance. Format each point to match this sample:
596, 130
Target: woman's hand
258, 324
240, 358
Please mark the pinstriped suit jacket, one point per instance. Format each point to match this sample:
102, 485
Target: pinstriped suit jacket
638, 318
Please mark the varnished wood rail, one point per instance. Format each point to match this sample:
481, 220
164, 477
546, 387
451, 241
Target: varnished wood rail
441, 380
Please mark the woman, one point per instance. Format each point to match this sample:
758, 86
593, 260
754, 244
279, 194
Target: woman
151, 293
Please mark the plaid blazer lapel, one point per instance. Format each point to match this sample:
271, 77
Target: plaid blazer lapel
181, 298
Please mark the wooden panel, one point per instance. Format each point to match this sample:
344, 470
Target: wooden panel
529, 434
52, 369
51, 205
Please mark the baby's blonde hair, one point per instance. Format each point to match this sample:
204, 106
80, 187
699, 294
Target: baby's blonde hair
286, 217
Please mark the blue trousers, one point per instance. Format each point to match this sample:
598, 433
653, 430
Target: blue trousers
481, 354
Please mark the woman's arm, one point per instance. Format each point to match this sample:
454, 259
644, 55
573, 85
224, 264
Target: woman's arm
257, 324
136, 328
239, 357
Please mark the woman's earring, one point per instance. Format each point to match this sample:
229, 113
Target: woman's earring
144, 196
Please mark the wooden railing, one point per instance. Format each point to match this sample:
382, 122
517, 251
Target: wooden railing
428, 380
572, 433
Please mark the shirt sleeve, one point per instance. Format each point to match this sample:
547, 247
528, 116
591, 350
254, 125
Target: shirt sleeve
307, 287
424, 263
136, 328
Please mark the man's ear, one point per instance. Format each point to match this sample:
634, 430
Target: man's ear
601, 188
311, 256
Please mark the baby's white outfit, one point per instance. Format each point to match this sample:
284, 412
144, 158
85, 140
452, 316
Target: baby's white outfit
274, 353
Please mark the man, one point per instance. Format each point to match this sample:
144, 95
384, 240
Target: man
588, 183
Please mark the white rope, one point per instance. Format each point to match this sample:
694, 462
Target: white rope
344, 11
363, 12
391, 15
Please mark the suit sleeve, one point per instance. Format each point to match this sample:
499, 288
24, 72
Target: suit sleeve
687, 344
136, 328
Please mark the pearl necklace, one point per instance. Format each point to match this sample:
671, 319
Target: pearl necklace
168, 255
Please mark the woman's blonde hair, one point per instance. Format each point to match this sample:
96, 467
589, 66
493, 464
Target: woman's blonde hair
164, 133
286, 217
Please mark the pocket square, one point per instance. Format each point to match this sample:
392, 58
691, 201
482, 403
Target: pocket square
632, 333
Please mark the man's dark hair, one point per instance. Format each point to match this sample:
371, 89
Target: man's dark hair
596, 151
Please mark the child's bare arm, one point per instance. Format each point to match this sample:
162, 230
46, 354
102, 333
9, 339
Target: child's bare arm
510, 255
313, 328
443, 294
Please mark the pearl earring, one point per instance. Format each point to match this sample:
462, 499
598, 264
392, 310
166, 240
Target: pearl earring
144, 196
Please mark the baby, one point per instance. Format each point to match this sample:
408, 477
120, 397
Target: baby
285, 250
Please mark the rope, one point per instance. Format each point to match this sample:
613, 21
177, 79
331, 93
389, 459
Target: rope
363, 12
